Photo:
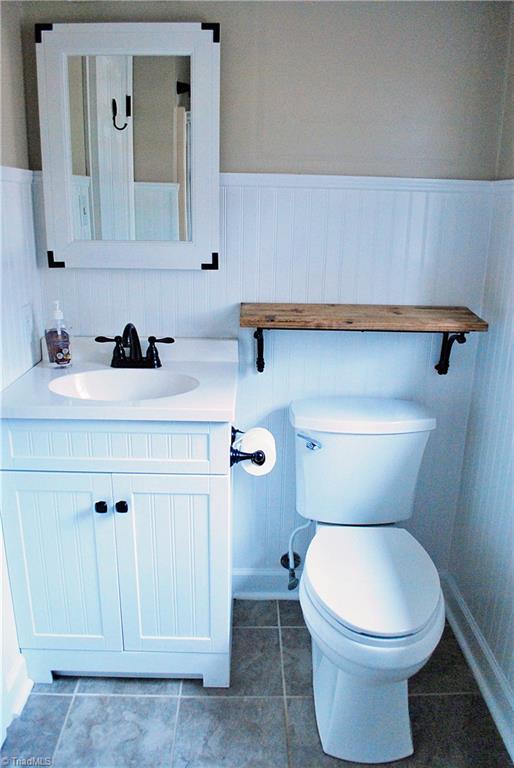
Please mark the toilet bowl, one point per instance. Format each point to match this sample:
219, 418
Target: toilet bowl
370, 594
359, 678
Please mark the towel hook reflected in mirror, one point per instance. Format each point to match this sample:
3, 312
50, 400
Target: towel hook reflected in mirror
128, 112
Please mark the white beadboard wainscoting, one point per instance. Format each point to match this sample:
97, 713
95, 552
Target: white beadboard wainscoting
21, 280
317, 239
155, 208
20, 328
480, 587
156, 211
336, 239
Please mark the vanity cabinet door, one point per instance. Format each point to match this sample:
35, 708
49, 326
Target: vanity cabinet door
174, 562
61, 554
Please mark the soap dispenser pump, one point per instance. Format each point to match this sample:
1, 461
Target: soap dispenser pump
58, 340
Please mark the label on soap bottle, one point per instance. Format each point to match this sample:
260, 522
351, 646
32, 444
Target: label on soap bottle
58, 345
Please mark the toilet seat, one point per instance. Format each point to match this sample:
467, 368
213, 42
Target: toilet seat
376, 581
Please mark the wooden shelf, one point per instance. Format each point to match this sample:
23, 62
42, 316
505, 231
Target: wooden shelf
361, 317
452, 322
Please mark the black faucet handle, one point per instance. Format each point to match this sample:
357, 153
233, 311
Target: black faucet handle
152, 355
118, 352
104, 339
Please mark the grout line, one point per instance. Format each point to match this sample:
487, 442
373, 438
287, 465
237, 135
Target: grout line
234, 696
177, 712
300, 696
63, 726
52, 693
134, 695
268, 626
202, 696
446, 693
107, 693
227, 695
286, 719
256, 626
182, 695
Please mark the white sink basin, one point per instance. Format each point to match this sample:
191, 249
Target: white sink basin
123, 385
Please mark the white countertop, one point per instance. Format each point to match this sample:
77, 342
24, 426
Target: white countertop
214, 362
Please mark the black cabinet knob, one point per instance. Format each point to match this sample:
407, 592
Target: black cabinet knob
121, 506
101, 507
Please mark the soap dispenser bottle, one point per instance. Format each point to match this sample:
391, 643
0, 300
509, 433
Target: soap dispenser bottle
58, 340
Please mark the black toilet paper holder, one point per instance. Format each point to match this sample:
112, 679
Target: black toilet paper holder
236, 456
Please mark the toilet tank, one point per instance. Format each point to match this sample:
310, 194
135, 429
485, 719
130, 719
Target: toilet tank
358, 458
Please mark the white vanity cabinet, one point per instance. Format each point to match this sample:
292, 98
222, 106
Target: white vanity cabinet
120, 572
173, 562
62, 560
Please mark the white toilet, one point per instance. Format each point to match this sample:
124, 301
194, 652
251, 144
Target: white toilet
369, 592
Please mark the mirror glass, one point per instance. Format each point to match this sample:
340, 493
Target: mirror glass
130, 133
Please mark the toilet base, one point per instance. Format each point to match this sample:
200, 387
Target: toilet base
356, 720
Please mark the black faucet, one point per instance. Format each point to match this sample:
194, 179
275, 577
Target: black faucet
130, 341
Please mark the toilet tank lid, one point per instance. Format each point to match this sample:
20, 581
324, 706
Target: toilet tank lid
360, 415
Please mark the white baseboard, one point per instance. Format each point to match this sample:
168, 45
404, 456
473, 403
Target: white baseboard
262, 584
491, 680
15, 695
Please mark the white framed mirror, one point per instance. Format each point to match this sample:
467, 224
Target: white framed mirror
129, 119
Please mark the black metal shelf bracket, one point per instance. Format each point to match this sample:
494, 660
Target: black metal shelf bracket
442, 366
259, 338
446, 347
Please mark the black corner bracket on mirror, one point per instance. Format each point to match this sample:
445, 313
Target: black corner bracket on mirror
52, 263
39, 29
215, 28
214, 264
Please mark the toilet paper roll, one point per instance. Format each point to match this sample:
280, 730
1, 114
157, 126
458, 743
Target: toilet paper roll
257, 439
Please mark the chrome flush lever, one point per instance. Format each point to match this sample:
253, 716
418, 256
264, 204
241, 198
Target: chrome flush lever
311, 443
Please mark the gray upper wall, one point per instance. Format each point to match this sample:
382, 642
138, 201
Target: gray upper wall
392, 89
505, 165
13, 128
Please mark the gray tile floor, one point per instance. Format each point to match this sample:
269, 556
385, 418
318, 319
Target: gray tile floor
264, 720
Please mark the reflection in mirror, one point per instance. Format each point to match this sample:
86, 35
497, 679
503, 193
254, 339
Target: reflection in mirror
130, 147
